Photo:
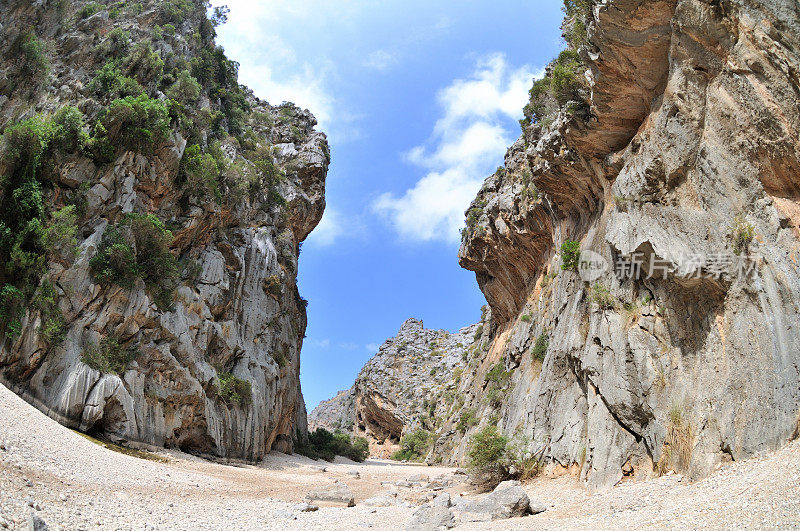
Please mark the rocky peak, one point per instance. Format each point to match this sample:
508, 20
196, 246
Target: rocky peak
408, 385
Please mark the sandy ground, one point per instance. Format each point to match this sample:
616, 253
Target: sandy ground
73, 483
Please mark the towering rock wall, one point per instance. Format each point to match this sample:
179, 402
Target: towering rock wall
156, 302
679, 169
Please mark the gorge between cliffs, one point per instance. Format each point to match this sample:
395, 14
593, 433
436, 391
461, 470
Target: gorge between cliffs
637, 251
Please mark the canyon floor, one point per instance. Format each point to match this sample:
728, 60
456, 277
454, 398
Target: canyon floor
73, 483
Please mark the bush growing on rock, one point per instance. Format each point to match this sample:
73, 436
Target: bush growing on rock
59, 236
89, 9
35, 63
602, 296
110, 357
110, 82
489, 457
23, 213
201, 172
185, 90
540, 347
741, 235
466, 420
414, 446
577, 13
145, 64
68, 130
117, 43
563, 83
174, 11
570, 255
234, 390
136, 122
29, 230
493, 458
45, 300
138, 248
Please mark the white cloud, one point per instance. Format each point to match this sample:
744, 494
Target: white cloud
319, 343
380, 60
270, 65
348, 346
476, 126
330, 228
372, 347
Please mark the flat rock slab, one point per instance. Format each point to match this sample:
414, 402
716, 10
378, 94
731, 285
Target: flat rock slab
380, 501
336, 495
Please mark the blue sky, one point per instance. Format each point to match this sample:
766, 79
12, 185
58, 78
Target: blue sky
420, 100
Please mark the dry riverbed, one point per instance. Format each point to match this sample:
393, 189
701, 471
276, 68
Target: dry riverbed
71, 482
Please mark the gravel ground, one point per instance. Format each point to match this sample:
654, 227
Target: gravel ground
72, 483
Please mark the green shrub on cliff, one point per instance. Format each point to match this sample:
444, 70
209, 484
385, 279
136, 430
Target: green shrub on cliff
68, 132
185, 89
138, 248
741, 235
540, 347
89, 9
145, 64
135, 122
563, 83
570, 255
35, 64
200, 172
110, 357
109, 81
23, 214
234, 390
414, 446
577, 14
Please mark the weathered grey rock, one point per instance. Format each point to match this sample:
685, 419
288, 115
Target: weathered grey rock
380, 501
484, 509
36, 523
429, 518
337, 494
411, 377
305, 508
510, 495
537, 507
442, 500
684, 138
236, 310
94, 22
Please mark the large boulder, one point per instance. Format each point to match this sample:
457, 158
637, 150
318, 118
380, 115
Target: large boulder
507, 500
509, 494
431, 517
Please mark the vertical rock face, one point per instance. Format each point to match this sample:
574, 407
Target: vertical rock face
215, 368
408, 385
688, 160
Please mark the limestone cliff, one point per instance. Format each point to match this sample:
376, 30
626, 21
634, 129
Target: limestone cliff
639, 252
676, 161
156, 302
409, 384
